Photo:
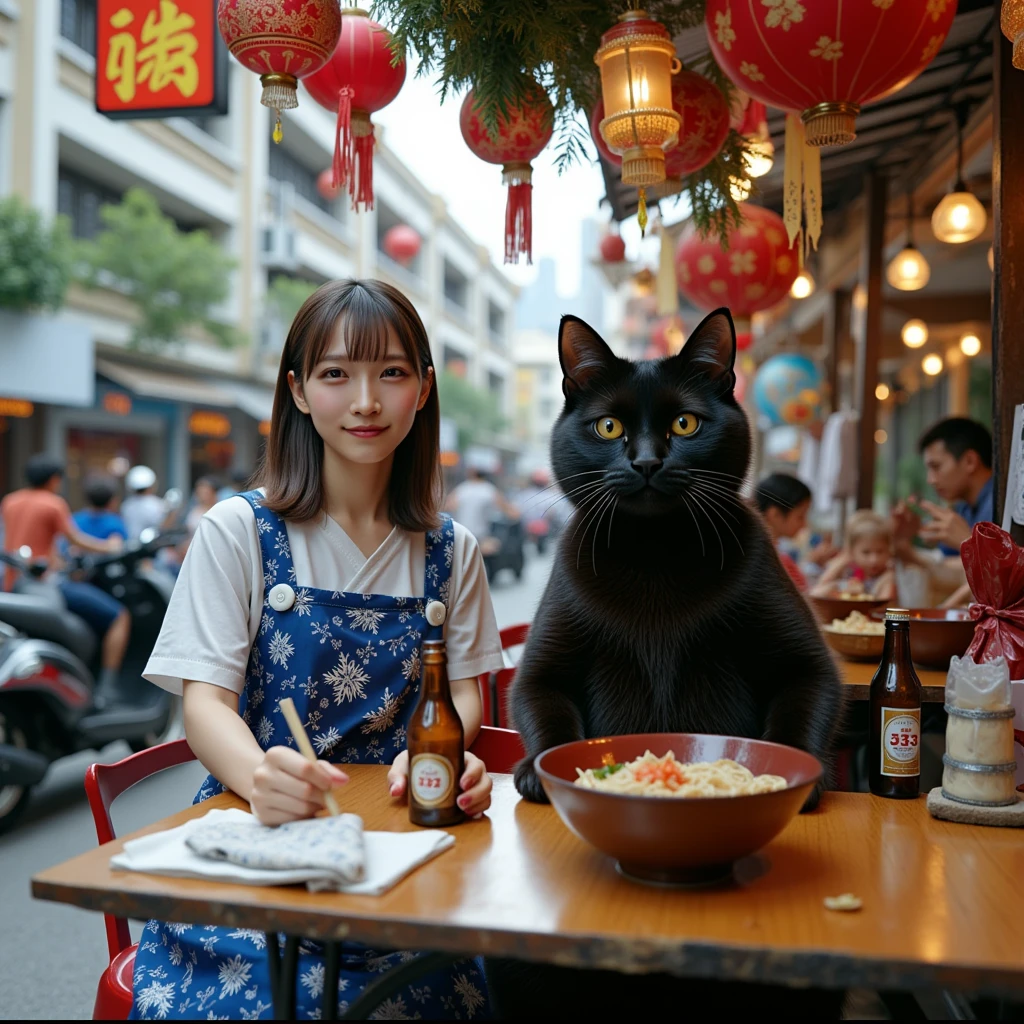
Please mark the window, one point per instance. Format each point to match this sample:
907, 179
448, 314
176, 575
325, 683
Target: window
546, 376
495, 384
282, 166
79, 199
454, 362
78, 23
456, 288
496, 321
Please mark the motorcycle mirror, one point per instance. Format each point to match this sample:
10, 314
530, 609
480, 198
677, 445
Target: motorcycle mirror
148, 535
173, 497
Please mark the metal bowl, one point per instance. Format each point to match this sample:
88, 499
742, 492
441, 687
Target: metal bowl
855, 646
677, 840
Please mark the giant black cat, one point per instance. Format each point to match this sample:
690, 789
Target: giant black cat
667, 609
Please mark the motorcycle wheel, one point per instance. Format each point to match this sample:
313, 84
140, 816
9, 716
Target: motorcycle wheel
13, 799
173, 730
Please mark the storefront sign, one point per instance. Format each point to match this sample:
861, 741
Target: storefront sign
264, 428
208, 424
159, 58
118, 403
17, 408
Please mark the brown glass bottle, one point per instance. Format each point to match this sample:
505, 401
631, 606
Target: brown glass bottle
436, 745
894, 737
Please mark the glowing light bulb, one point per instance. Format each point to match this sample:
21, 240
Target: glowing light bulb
970, 344
908, 270
959, 217
759, 158
882, 392
802, 286
914, 333
860, 298
881, 437
739, 188
932, 365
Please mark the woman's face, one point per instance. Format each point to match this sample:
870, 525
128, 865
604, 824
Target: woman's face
362, 410
205, 493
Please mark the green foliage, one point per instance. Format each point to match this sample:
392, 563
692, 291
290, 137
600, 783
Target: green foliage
174, 277
286, 295
473, 411
35, 260
502, 47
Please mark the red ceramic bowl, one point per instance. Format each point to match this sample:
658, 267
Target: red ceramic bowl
936, 634
670, 840
829, 608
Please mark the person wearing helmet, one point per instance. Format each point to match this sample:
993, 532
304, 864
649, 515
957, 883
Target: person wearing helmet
142, 508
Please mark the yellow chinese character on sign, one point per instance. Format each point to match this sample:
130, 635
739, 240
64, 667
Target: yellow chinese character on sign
166, 57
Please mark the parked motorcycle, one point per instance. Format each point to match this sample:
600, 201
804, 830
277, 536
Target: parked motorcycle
50, 659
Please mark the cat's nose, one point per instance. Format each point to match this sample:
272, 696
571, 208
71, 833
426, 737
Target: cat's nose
647, 467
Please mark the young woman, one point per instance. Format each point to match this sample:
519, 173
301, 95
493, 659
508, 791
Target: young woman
314, 587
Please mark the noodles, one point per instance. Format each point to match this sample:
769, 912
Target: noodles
665, 776
857, 624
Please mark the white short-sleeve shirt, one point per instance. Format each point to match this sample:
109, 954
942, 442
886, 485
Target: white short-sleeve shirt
214, 613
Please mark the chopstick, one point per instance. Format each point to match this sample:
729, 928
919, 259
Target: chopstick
291, 716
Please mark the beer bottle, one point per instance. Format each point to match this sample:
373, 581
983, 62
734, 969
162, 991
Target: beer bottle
894, 743
436, 745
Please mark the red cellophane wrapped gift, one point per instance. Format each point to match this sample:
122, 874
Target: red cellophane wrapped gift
995, 571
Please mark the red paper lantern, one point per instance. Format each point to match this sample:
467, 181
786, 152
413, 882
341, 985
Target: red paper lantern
828, 58
358, 79
753, 272
744, 339
520, 139
613, 248
402, 244
705, 124
281, 42
325, 184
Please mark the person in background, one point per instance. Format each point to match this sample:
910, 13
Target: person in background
204, 497
476, 503
100, 518
36, 517
239, 481
865, 565
143, 509
784, 502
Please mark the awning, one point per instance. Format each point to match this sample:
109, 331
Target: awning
169, 386
253, 400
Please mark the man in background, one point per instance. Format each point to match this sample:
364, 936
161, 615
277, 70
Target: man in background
99, 518
143, 509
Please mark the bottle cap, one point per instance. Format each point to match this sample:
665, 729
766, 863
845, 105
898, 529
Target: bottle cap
897, 615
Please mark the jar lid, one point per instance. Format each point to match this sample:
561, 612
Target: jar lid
897, 614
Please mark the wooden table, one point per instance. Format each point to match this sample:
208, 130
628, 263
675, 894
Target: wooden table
857, 677
943, 903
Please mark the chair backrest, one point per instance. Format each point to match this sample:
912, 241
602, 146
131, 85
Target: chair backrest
499, 749
494, 685
104, 783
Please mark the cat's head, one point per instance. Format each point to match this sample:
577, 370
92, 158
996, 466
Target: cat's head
658, 434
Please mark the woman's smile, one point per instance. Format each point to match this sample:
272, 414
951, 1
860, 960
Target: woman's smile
368, 432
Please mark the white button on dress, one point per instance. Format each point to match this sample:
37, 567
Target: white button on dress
281, 597
436, 613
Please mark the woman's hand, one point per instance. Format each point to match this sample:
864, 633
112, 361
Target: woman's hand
287, 787
475, 783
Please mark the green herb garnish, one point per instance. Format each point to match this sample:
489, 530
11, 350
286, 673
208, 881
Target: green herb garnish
608, 769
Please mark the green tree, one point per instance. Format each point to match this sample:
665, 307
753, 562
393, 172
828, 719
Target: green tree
286, 295
175, 277
473, 411
35, 260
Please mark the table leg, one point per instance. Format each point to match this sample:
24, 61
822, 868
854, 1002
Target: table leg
332, 965
283, 973
394, 980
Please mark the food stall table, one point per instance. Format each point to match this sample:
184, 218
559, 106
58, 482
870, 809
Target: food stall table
942, 902
856, 676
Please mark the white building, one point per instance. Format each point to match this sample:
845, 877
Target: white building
93, 397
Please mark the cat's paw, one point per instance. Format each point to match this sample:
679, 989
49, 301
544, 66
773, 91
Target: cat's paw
528, 784
813, 797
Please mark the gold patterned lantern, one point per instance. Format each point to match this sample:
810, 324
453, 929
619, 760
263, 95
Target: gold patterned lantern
637, 60
1011, 21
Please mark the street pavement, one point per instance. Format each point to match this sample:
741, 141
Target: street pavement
51, 955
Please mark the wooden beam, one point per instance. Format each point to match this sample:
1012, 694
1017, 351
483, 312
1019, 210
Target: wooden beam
942, 309
869, 348
1008, 243
831, 330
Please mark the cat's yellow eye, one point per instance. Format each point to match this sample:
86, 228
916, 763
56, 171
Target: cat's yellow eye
685, 425
609, 428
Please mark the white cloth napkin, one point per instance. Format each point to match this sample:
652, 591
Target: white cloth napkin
390, 856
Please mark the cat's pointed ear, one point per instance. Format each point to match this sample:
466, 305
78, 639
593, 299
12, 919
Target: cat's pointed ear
582, 353
711, 347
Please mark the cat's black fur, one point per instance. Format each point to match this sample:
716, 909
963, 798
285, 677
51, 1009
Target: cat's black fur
667, 609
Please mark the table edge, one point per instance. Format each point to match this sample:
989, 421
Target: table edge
685, 957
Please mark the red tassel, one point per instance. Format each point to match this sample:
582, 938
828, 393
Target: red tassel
519, 222
360, 186
343, 139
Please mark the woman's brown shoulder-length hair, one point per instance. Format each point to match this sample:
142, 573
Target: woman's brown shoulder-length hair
371, 312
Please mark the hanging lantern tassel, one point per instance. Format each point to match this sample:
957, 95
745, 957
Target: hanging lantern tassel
801, 194
353, 151
666, 290
518, 211
641, 212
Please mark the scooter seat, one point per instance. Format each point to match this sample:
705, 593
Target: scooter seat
38, 618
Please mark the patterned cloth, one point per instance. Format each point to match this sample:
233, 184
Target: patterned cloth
351, 662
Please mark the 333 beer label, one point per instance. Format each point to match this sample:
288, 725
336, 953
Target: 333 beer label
431, 780
901, 741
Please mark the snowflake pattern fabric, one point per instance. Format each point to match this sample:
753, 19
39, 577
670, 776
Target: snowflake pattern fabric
351, 663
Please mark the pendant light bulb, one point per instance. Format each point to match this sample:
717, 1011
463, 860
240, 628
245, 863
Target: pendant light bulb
803, 286
959, 217
932, 364
908, 270
914, 333
970, 345
759, 157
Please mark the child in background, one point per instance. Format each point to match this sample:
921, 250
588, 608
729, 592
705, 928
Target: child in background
784, 502
864, 566
100, 518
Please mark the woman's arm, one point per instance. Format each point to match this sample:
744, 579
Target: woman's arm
466, 697
279, 784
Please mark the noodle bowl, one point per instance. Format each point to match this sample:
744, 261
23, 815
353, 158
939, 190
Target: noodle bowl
667, 777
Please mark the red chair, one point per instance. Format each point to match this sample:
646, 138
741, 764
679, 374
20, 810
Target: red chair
494, 685
104, 783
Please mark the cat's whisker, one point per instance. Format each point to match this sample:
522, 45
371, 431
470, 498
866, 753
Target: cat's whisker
700, 534
611, 519
576, 490
722, 493
700, 471
719, 508
596, 507
707, 515
597, 529
590, 499
541, 494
